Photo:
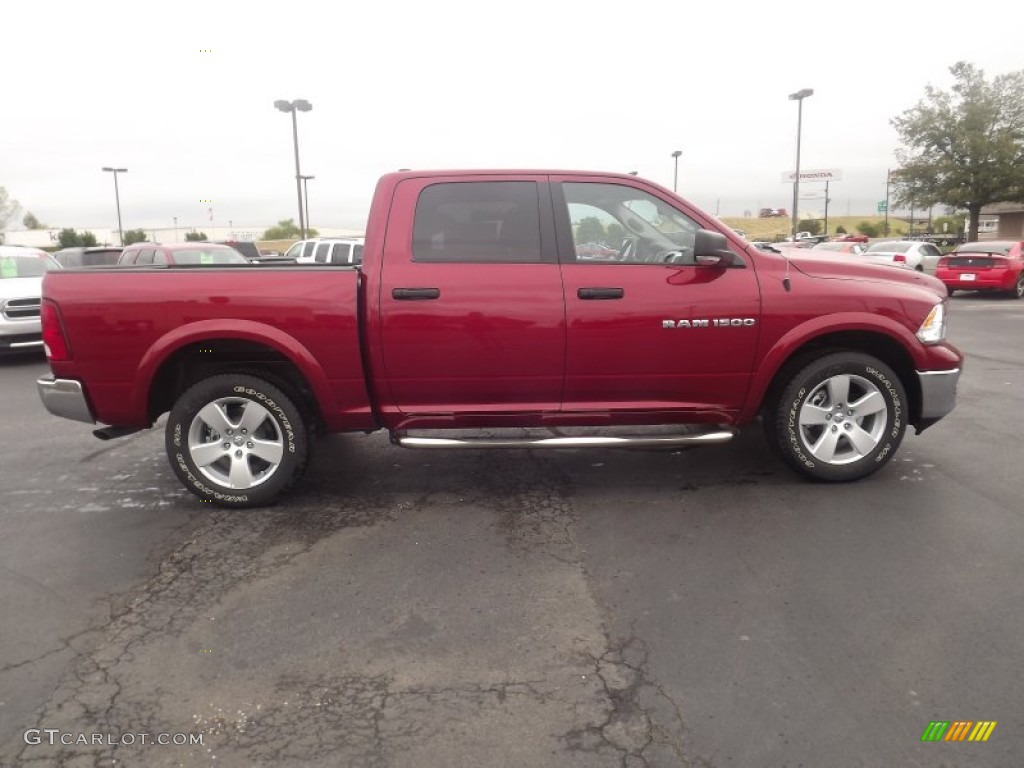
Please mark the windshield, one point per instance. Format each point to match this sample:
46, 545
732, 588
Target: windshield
24, 266
890, 247
209, 256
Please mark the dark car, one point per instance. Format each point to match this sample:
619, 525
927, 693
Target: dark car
245, 247
157, 254
97, 256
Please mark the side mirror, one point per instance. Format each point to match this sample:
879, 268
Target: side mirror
711, 249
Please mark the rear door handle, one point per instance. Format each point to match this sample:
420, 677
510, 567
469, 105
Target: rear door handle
600, 293
415, 294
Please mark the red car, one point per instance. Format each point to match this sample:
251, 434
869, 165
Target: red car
850, 239
993, 265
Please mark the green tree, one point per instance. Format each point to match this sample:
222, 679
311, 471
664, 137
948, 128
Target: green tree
615, 233
194, 237
134, 236
867, 228
840, 230
8, 208
963, 147
590, 230
809, 225
69, 238
286, 229
31, 222
949, 224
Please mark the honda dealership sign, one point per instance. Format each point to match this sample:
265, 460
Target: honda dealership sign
822, 174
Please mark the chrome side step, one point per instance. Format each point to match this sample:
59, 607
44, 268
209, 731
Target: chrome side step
715, 437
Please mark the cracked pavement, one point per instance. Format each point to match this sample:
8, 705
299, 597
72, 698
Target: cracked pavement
603, 608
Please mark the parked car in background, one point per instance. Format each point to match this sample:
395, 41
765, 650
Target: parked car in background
156, 254
96, 256
331, 250
21, 285
837, 247
850, 238
904, 253
992, 265
245, 247
596, 252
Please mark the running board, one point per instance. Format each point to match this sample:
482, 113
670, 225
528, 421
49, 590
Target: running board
716, 437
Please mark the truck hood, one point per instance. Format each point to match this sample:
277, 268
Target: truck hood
841, 267
21, 287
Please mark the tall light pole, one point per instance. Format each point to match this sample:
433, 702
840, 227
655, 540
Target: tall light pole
675, 171
175, 229
305, 195
798, 97
117, 199
298, 105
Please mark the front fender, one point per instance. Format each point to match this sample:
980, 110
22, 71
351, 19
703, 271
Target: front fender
800, 336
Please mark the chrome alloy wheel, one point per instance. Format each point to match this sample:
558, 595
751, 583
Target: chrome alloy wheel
843, 419
235, 443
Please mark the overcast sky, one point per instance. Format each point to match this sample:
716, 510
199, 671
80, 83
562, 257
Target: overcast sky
613, 86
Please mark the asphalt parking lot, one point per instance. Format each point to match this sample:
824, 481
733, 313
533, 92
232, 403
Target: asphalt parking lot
603, 608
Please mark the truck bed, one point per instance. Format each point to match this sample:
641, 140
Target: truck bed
125, 326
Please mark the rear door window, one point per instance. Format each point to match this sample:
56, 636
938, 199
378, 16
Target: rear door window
339, 253
482, 222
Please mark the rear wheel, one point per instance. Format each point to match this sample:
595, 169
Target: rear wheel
950, 290
839, 418
1018, 287
236, 440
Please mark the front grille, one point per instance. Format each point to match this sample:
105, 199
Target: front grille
21, 309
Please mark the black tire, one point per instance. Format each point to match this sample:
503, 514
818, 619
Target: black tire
950, 290
265, 462
865, 433
1017, 292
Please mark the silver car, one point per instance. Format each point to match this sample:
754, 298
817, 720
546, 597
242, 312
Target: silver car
21, 287
911, 254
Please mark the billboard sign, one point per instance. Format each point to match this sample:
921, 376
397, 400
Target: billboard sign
819, 174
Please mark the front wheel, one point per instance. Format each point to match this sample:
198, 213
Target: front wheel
839, 418
236, 440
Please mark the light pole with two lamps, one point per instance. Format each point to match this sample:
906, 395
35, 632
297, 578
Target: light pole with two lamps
298, 105
117, 200
798, 97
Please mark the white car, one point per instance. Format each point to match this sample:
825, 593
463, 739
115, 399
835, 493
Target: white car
912, 254
21, 288
327, 250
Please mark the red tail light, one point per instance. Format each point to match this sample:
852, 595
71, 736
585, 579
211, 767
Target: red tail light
54, 341
900, 258
943, 262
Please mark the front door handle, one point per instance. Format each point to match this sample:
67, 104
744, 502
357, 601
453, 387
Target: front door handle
600, 293
415, 294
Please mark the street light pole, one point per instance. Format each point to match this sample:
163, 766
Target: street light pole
798, 97
298, 105
305, 195
175, 229
675, 172
117, 200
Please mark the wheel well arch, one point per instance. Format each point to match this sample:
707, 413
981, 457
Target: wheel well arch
201, 359
879, 345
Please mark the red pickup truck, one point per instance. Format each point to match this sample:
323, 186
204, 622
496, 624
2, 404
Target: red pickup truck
475, 309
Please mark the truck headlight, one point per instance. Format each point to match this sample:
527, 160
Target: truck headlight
933, 329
